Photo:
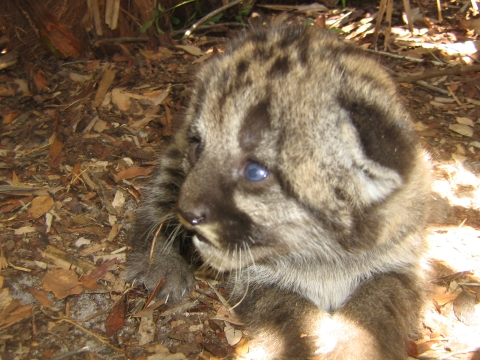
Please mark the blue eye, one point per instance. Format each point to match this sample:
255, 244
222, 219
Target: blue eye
255, 172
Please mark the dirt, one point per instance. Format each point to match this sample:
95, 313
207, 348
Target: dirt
78, 141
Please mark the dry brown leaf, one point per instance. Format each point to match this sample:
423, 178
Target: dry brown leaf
162, 54
116, 319
461, 129
92, 229
88, 282
41, 297
146, 328
193, 50
133, 172
9, 117
75, 172
62, 283
40, 206
39, 80
121, 99
100, 272
15, 179
107, 80
55, 148
442, 299
11, 311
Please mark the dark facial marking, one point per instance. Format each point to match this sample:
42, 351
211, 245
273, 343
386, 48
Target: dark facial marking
256, 122
391, 144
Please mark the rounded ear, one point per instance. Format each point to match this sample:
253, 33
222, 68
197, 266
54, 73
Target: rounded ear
330, 188
375, 183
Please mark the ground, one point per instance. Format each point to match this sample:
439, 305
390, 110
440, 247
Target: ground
78, 141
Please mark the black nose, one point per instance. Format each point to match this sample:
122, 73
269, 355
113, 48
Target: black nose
195, 215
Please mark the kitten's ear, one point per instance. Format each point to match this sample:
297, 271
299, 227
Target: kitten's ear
326, 188
375, 183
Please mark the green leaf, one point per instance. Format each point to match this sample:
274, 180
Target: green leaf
147, 25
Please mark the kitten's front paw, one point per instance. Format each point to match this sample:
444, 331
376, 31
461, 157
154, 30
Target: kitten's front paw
172, 268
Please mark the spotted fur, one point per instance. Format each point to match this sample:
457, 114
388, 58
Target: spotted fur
325, 253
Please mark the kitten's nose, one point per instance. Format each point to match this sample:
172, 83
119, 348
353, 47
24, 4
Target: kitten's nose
195, 215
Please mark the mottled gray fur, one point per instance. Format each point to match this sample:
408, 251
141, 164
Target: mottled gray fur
326, 252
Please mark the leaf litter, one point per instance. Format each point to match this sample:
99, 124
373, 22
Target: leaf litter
79, 142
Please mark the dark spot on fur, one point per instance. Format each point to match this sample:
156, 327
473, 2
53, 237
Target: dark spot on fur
340, 194
389, 143
254, 125
304, 49
290, 36
174, 174
174, 154
281, 66
242, 68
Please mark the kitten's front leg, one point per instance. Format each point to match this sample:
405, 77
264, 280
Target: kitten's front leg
282, 323
374, 324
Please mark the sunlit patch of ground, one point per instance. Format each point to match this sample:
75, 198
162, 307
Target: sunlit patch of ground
455, 253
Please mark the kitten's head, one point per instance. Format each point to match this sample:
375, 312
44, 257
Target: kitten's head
294, 142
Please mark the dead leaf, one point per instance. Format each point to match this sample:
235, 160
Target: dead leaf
92, 230
466, 310
461, 129
55, 148
25, 230
41, 296
88, 282
78, 77
145, 330
118, 200
133, 172
62, 283
100, 272
39, 80
162, 54
40, 205
75, 172
105, 83
465, 121
10, 117
121, 99
100, 126
116, 319
11, 311
442, 299
233, 335
192, 50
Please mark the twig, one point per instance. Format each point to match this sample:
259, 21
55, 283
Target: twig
101, 192
456, 70
208, 27
405, 58
120, 40
71, 354
154, 293
72, 322
209, 16
91, 333
426, 85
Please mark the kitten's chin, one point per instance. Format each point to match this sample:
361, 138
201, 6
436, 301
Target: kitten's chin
219, 259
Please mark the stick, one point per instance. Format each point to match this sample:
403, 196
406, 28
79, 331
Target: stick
401, 57
455, 70
209, 16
